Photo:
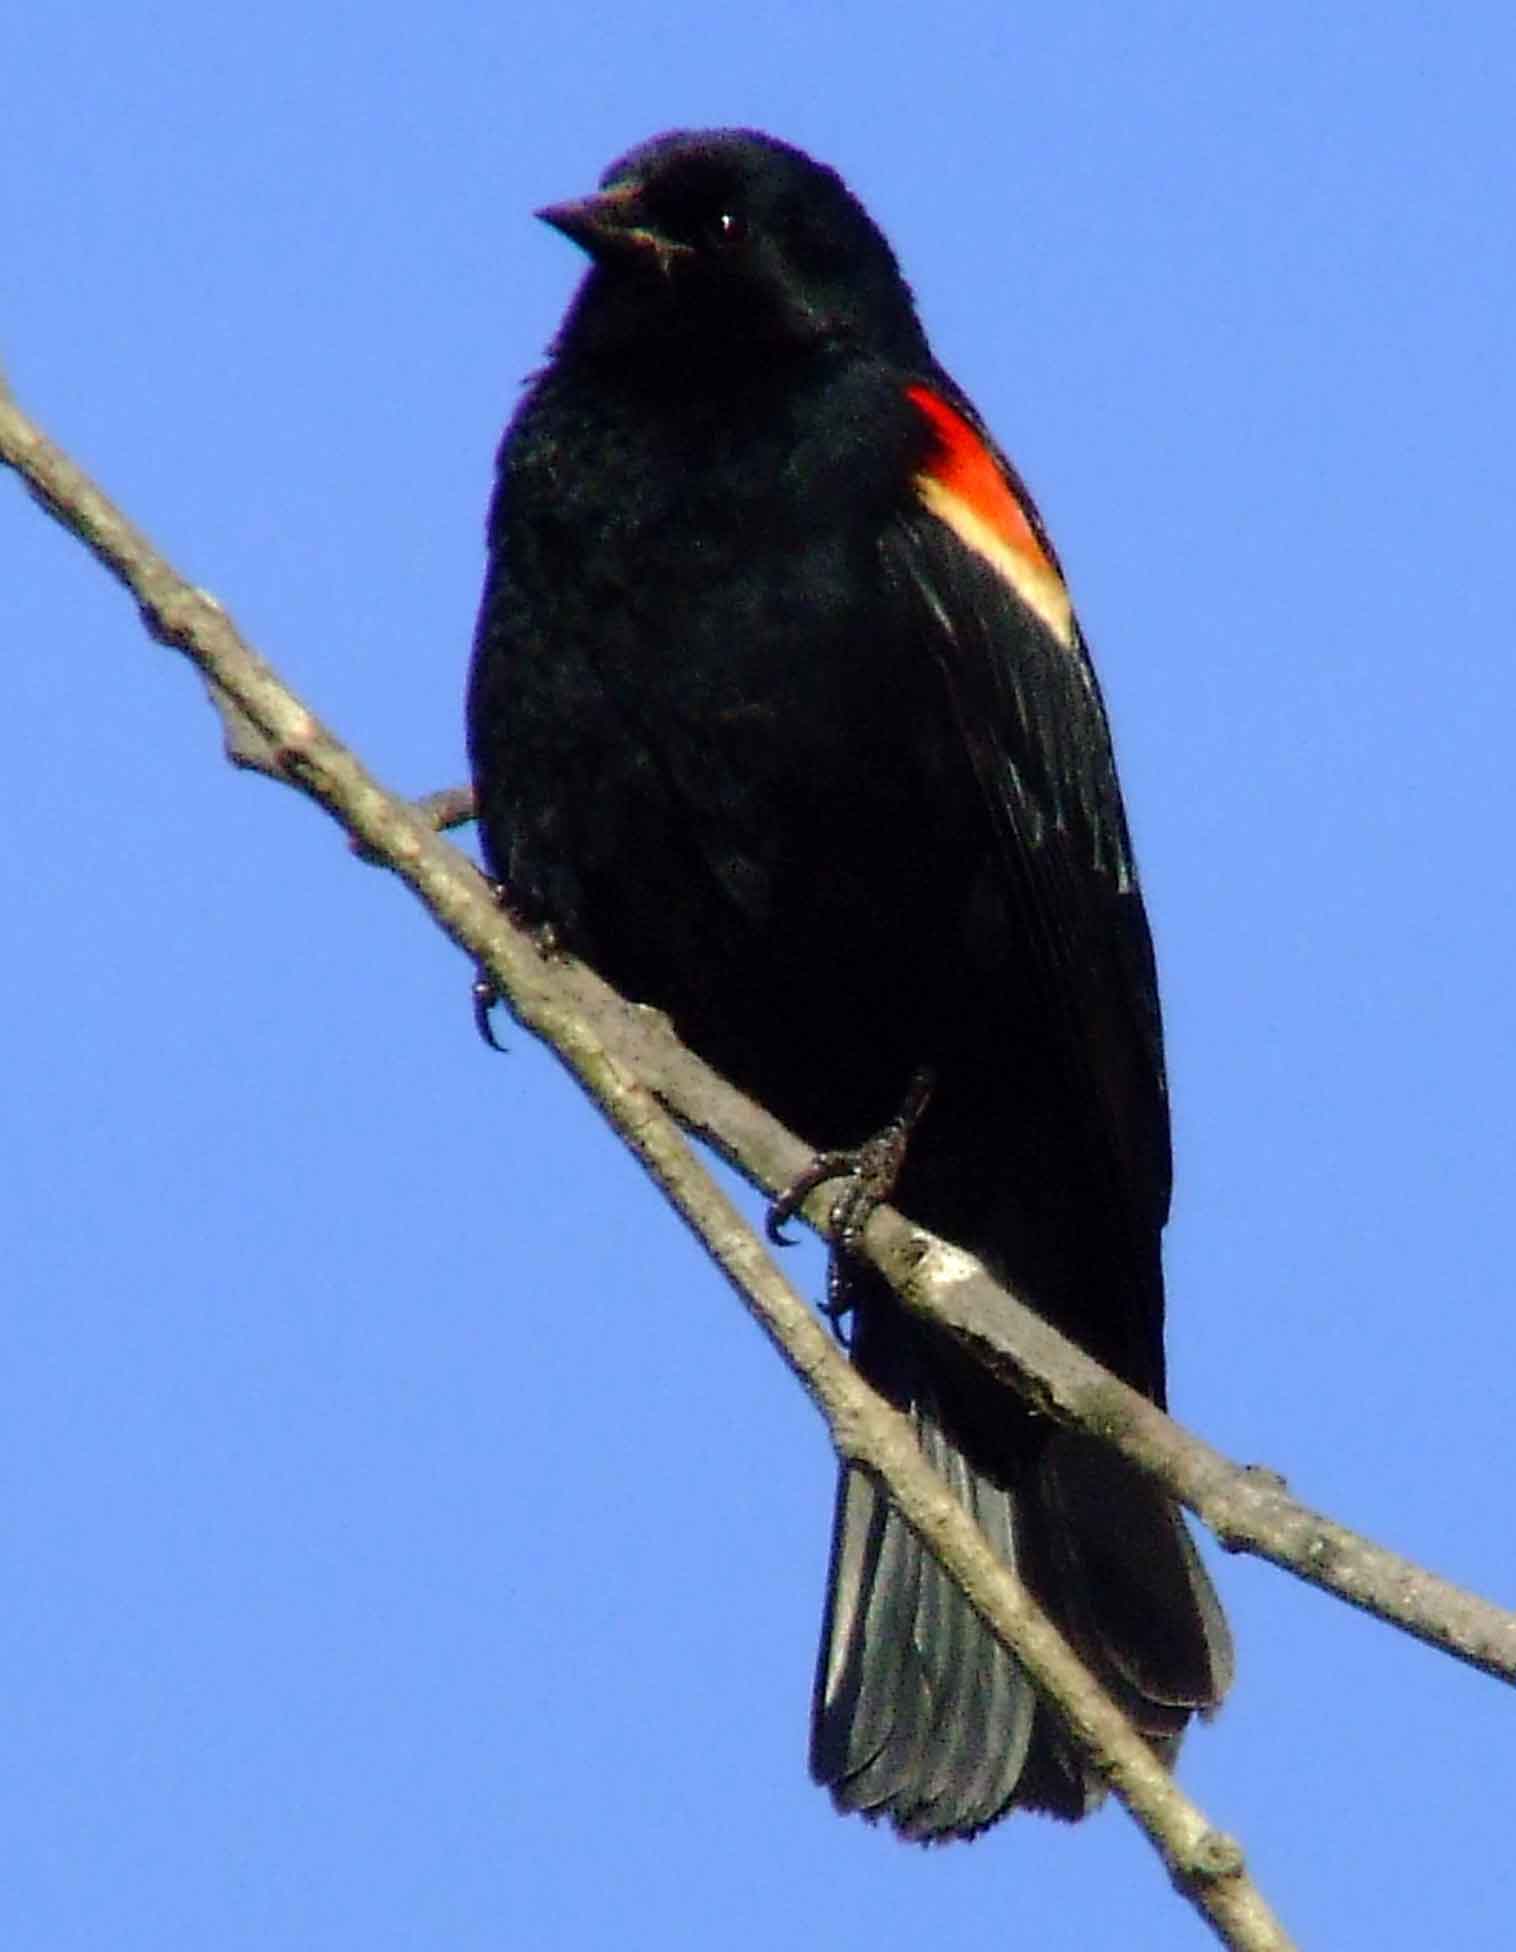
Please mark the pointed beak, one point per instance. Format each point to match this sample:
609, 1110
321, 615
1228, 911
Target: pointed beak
612, 225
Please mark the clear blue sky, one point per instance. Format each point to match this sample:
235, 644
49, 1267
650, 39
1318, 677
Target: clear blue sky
406, 1541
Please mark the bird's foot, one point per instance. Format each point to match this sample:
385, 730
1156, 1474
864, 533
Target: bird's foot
870, 1169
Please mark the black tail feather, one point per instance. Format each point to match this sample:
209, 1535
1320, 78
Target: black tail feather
919, 1714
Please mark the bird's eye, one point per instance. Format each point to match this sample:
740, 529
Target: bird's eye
696, 208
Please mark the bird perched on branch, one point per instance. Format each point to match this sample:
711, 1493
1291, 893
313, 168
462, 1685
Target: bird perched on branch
780, 716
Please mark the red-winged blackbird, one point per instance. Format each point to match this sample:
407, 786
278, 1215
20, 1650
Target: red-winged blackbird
779, 714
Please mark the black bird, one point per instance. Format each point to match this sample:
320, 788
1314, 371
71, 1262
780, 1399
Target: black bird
780, 716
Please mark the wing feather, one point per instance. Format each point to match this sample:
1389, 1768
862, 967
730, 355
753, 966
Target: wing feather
1032, 718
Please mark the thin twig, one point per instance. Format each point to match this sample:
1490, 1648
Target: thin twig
1248, 1507
268, 728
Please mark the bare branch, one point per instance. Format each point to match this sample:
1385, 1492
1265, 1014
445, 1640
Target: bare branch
1248, 1507
630, 1063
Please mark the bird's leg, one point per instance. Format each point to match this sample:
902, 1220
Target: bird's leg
871, 1170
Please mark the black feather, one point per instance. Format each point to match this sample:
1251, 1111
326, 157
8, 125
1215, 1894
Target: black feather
776, 750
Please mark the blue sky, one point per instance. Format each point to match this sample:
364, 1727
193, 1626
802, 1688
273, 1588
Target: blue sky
406, 1541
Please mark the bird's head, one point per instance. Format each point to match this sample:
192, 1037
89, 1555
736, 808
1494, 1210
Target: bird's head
709, 242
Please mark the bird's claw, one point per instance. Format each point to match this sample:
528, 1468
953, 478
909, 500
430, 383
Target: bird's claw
870, 1169
825, 1166
486, 996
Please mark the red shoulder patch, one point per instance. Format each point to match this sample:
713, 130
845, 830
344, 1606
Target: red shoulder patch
965, 487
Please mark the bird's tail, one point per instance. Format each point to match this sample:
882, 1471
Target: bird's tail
919, 1714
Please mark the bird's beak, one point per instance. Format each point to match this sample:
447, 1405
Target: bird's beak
613, 225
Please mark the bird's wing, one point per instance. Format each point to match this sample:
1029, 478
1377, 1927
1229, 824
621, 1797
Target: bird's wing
970, 548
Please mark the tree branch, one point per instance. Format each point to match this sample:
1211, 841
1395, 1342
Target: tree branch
630, 1063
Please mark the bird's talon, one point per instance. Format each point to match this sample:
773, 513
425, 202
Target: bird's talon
838, 1306
871, 1170
486, 996
825, 1166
